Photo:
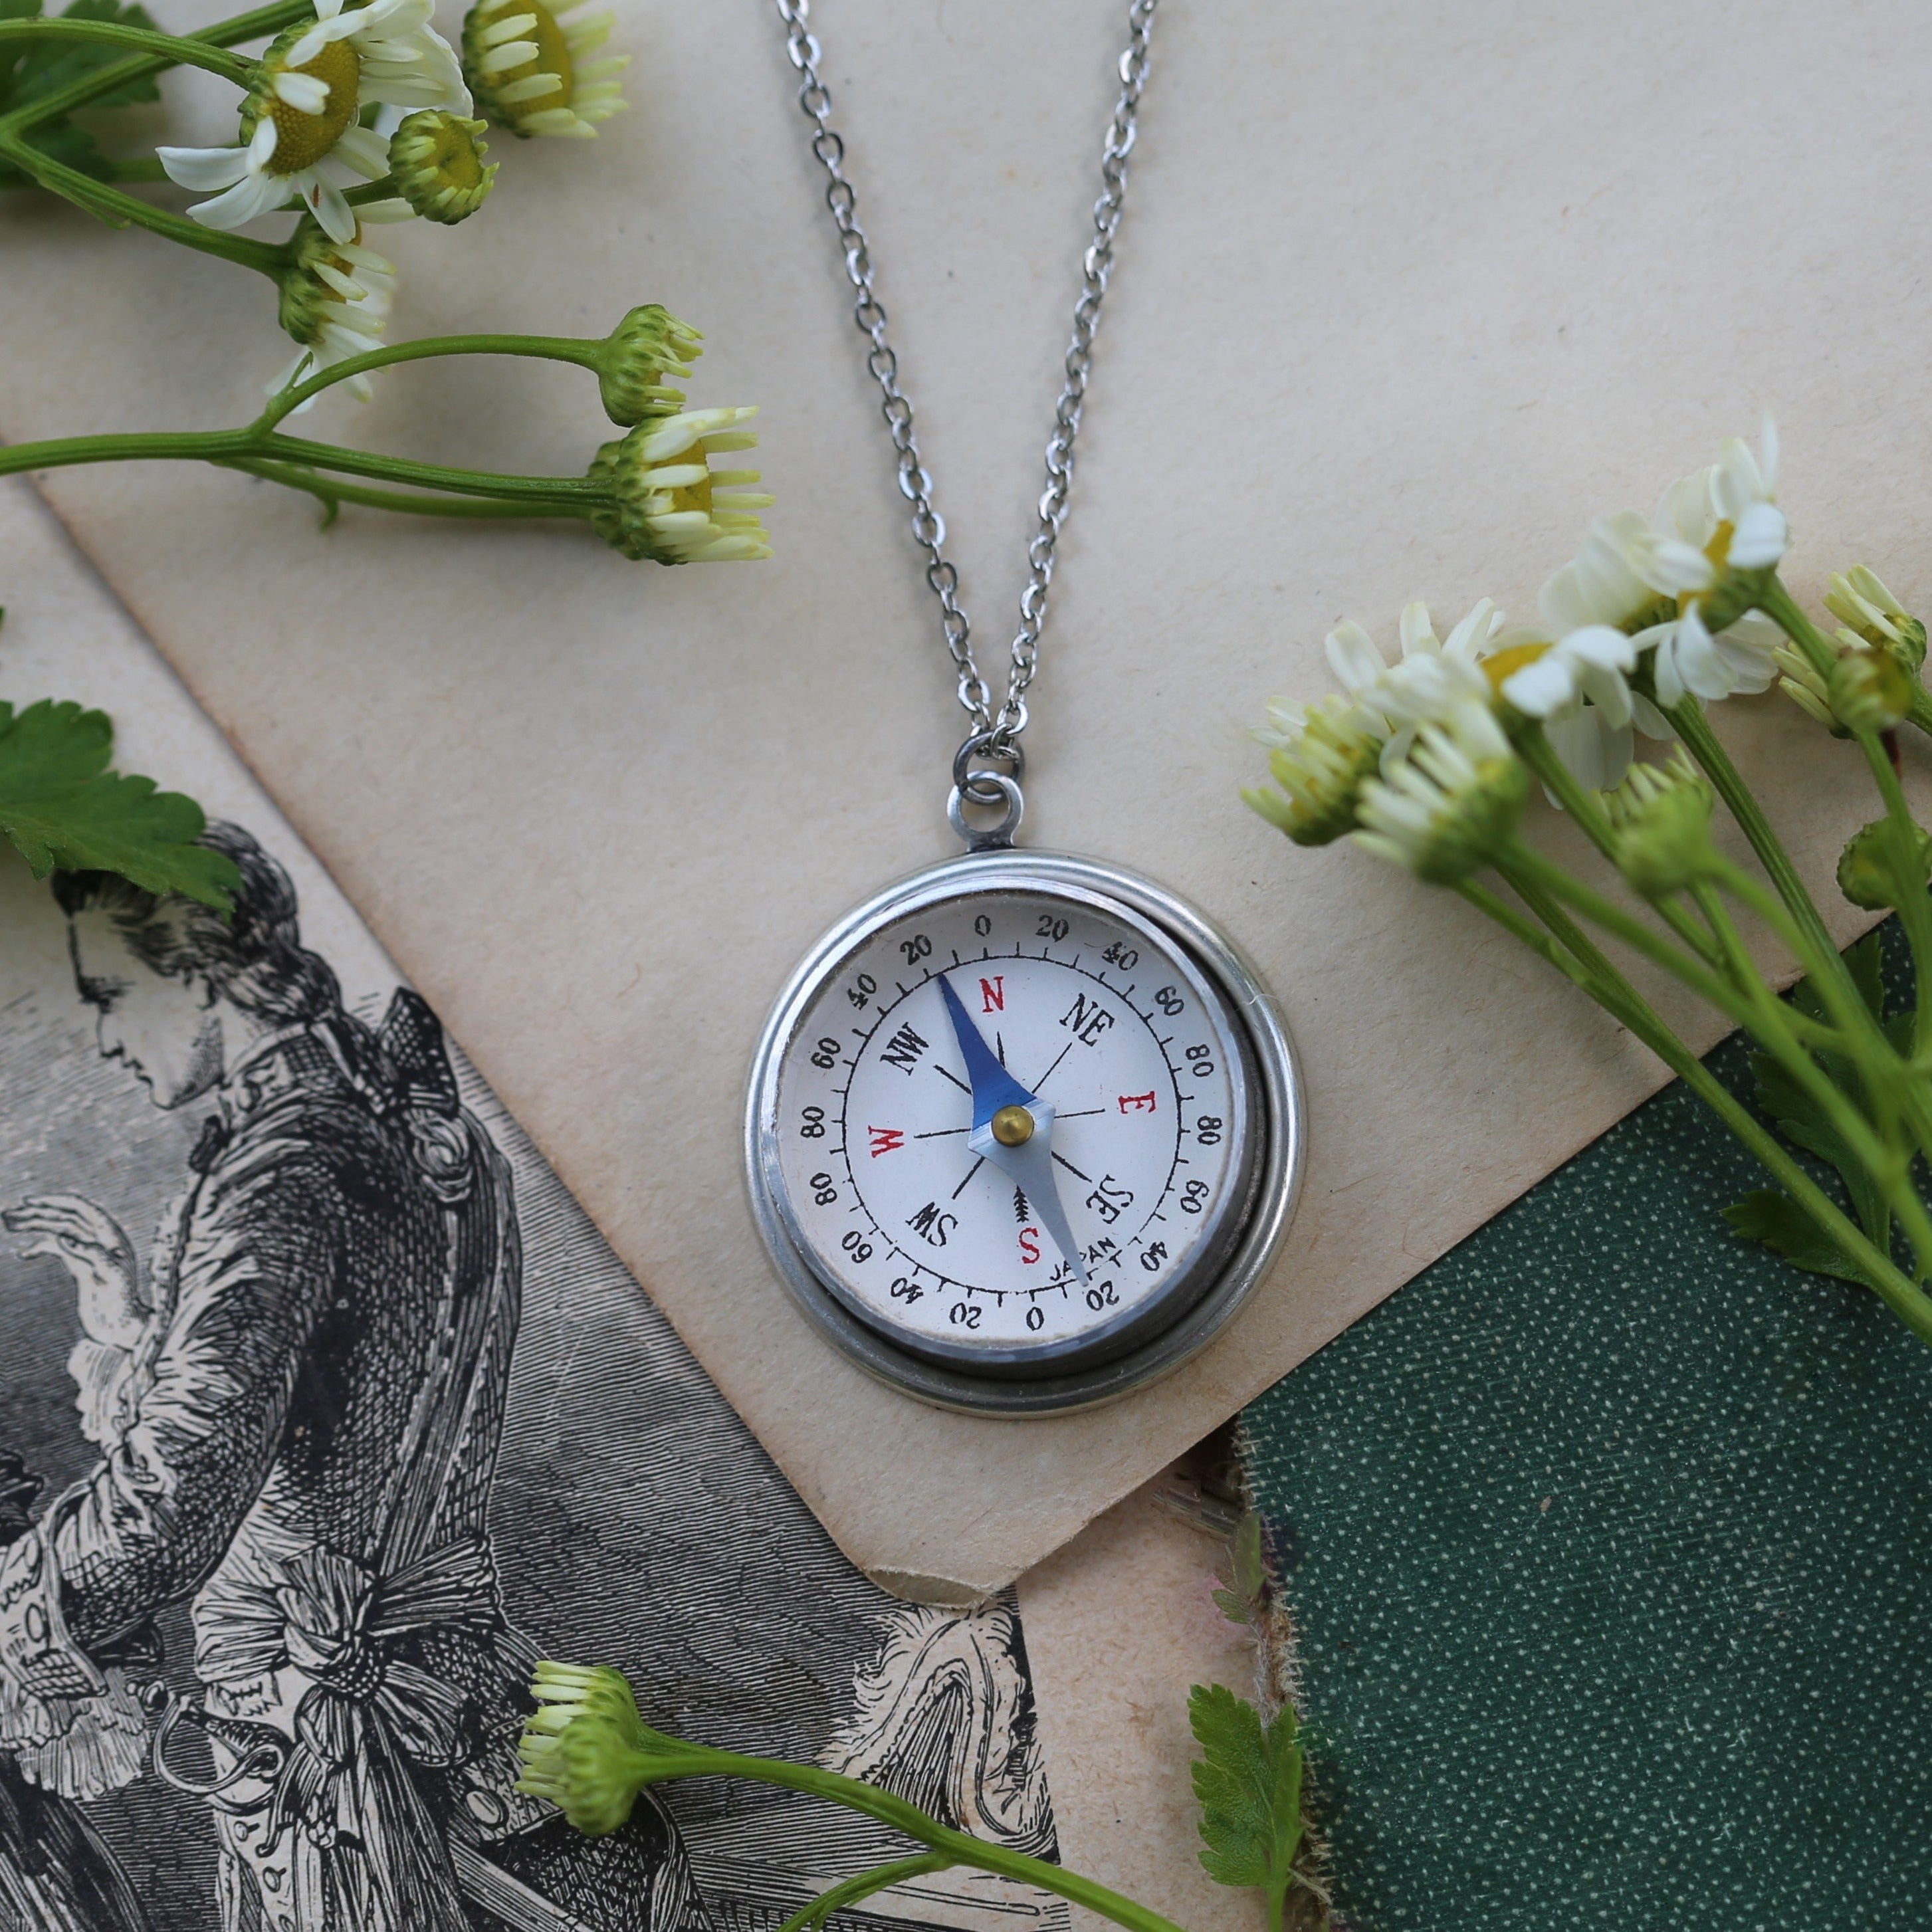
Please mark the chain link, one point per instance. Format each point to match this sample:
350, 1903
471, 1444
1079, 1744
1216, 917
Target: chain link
998, 733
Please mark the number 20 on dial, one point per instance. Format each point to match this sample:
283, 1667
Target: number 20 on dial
1023, 1132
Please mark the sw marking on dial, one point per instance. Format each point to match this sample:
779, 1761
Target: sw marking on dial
1007, 1121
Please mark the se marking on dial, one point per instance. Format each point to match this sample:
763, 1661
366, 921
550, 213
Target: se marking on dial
982, 1083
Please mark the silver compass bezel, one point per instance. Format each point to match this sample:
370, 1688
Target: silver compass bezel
1276, 1123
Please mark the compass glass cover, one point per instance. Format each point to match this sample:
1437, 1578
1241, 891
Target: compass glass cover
1010, 1128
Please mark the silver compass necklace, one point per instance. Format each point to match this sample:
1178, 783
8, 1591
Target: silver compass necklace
1025, 1130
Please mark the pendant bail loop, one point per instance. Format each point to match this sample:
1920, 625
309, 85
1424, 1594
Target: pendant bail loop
985, 790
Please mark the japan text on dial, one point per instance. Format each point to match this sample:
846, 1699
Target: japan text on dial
1023, 1131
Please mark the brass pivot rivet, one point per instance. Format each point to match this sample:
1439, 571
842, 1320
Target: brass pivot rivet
1012, 1126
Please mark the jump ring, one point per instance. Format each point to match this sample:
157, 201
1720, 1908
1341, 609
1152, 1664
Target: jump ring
994, 837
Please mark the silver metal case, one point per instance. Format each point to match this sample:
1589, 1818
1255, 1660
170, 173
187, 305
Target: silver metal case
1153, 1340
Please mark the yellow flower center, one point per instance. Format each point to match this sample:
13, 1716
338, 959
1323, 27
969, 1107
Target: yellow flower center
457, 160
303, 139
1505, 664
552, 56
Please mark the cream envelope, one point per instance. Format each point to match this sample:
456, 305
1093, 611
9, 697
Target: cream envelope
1405, 295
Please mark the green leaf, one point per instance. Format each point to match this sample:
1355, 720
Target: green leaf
60, 805
1241, 1603
1866, 959
1806, 1124
1249, 1783
1778, 1222
29, 70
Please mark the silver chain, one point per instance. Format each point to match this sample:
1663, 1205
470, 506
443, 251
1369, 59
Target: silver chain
993, 736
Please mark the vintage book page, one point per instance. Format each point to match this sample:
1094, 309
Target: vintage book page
1406, 296
294, 1490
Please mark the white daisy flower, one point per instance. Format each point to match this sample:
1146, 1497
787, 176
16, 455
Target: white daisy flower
301, 139
1446, 807
335, 301
1577, 688
1627, 571
1431, 674
1321, 754
668, 504
530, 67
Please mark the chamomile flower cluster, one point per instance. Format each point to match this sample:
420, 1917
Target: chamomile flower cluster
363, 114
1650, 613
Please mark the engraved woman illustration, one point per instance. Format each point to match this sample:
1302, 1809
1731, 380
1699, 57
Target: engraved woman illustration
300, 1415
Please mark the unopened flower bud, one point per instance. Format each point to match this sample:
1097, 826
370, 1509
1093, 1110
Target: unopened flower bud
1663, 818
436, 159
641, 359
1858, 598
587, 1749
1869, 690
590, 1771
1868, 869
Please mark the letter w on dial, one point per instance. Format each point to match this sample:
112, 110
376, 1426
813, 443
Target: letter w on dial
1013, 1128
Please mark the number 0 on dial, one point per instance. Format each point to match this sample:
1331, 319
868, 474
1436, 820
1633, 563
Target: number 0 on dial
1023, 1132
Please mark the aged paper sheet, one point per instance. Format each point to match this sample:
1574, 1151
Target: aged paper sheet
374, 1419
1406, 296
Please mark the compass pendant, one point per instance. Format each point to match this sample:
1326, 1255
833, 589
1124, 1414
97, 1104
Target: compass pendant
1023, 1132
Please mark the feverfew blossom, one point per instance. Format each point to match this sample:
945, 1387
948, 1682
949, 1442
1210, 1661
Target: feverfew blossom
1449, 807
335, 300
1424, 679
1320, 755
1719, 518
531, 67
1577, 687
302, 139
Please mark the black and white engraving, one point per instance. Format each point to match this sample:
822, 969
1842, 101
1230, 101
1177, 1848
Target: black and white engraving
291, 1495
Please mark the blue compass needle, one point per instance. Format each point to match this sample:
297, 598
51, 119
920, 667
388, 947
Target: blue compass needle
1028, 1160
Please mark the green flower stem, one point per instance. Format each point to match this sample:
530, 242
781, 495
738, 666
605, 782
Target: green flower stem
134, 168
226, 446
171, 49
1617, 997
863, 1885
1520, 861
581, 351
1749, 1002
1915, 907
119, 210
255, 25
332, 494
1537, 752
1889, 1165
672, 1758
1534, 936
1816, 950
1890, 1084
1788, 614
154, 53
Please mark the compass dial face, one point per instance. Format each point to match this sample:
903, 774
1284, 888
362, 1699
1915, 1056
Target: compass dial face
1010, 1129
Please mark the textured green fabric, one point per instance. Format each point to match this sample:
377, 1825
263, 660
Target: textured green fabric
1608, 1541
